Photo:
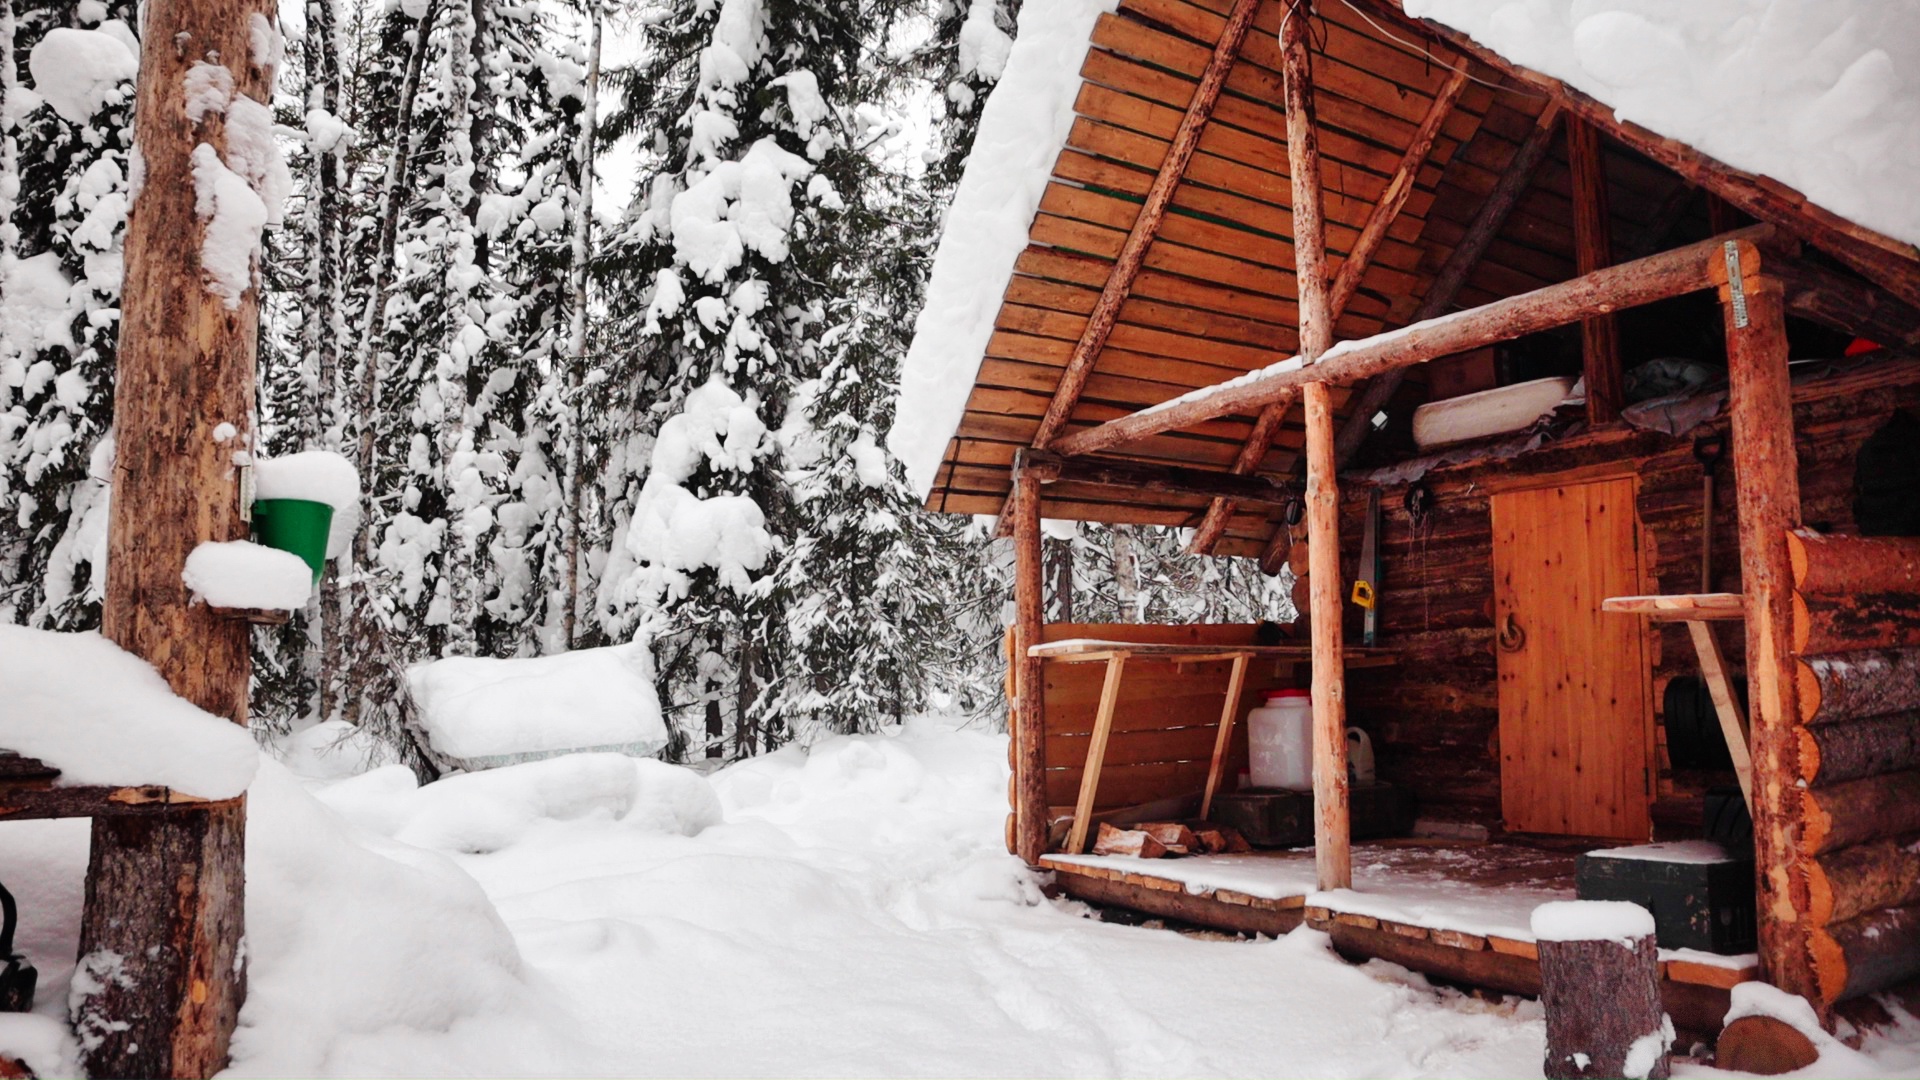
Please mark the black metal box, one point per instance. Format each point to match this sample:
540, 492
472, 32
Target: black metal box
1701, 892
1277, 817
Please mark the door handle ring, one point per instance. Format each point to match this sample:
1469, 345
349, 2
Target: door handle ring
1511, 637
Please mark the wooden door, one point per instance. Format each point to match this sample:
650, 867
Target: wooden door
1575, 687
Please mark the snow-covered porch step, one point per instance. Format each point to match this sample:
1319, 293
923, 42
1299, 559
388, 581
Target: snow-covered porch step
1468, 897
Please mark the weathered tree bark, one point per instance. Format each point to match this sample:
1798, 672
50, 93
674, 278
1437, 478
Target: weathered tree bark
1767, 502
1867, 953
1332, 839
1856, 749
1029, 712
1848, 305
1657, 277
1876, 808
165, 896
1592, 250
1602, 1000
1853, 881
1847, 686
1854, 622
323, 329
1452, 277
1845, 565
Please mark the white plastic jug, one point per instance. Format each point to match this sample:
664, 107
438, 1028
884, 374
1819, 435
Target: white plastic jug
1359, 756
1280, 738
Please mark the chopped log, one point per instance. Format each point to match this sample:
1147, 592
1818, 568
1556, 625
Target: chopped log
1137, 843
1867, 953
1602, 997
1857, 811
1332, 855
1657, 277
1466, 255
1184, 906
1856, 749
1219, 839
1847, 686
1853, 881
1049, 468
1854, 622
1146, 225
1842, 565
1030, 709
1592, 250
1175, 837
1767, 505
1763, 1046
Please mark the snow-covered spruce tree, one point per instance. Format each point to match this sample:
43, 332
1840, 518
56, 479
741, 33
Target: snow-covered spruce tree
751, 249
965, 55
70, 126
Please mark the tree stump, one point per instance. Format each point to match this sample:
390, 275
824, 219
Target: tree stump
1600, 985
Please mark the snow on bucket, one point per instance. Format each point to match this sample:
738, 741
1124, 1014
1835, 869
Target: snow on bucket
299, 526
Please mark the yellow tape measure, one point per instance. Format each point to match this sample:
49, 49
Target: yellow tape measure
1363, 594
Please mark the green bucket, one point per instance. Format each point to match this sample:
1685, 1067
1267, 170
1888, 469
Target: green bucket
297, 525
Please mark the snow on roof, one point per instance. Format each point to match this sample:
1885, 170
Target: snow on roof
1820, 95
1023, 127
487, 712
102, 716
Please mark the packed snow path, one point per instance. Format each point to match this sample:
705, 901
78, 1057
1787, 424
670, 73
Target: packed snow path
844, 912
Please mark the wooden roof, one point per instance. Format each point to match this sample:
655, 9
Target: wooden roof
1215, 293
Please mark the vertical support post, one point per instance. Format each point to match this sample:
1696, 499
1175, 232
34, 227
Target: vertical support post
165, 899
1236, 680
1593, 250
1767, 489
1030, 710
1331, 838
1096, 754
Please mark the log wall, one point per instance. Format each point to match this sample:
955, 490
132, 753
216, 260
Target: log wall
1434, 719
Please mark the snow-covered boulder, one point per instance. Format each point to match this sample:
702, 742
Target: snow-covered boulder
479, 714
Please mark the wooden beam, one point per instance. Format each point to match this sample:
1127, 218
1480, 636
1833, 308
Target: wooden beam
1228, 713
1767, 486
1679, 607
1096, 752
1133, 252
1452, 278
165, 895
1891, 264
1332, 839
1029, 707
1733, 725
1642, 281
1849, 305
1046, 467
1345, 283
1593, 250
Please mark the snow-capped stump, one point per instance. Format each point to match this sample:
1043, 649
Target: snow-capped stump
1600, 986
242, 576
478, 713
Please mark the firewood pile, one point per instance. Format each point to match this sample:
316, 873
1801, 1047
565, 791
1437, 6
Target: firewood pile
1168, 839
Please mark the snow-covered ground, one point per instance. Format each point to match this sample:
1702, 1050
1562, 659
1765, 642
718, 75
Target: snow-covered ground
848, 911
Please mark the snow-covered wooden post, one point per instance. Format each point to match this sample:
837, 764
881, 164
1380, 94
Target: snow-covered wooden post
168, 977
1600, 985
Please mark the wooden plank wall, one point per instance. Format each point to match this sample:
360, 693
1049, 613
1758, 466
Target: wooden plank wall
1164, 727
1434, 719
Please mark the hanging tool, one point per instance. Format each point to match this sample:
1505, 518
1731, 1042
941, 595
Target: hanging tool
1707, 450
1365, 581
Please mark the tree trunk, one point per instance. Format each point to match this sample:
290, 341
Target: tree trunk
465, 252
166, 896
322, 331
1126, 575
577, 327
1604, 1018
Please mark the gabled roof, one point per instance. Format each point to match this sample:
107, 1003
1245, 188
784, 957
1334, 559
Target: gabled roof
1070, 146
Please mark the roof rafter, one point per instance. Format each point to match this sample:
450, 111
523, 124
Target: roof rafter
1345, 283
1133, 253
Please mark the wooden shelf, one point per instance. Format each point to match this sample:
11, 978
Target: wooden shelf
1682, 607
28, 791
1084, 650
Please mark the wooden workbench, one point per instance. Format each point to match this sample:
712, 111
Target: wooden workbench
1116, 655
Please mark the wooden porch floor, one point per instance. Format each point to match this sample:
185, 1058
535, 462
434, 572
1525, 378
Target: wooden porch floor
1457, 911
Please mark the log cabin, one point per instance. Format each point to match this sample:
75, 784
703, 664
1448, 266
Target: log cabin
1280, 273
